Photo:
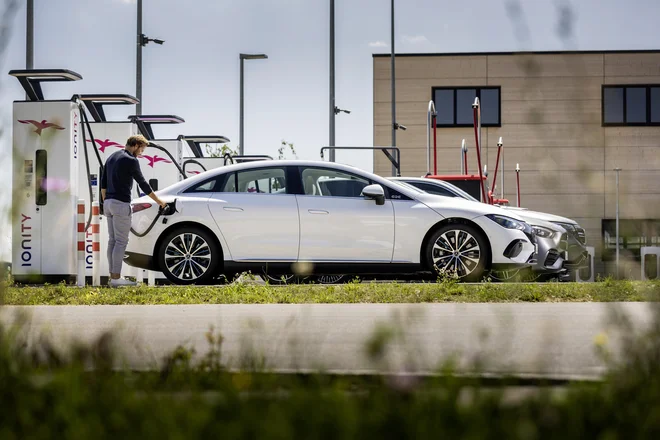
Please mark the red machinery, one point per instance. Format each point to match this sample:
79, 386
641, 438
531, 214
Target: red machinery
473, 184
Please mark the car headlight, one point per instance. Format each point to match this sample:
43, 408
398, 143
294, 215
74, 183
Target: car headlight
542, 232
508, 222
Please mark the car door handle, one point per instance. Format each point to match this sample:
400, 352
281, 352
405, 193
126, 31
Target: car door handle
317, 211
232, 209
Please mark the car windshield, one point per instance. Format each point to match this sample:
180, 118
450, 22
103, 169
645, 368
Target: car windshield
462, 193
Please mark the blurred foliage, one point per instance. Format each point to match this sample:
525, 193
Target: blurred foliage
46, 394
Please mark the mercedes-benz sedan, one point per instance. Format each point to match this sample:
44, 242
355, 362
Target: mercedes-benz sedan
314, 217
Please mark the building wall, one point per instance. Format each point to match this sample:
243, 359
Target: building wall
551, 125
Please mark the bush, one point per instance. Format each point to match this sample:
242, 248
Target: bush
46, 394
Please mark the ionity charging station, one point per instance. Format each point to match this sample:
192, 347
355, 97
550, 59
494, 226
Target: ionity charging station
58, 233
47, 144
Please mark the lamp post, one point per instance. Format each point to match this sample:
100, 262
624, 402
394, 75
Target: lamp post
142, 40
243, 57
617, 170
333, 108
395, 126
29, 36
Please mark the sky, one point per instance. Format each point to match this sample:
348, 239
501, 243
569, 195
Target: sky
195, 74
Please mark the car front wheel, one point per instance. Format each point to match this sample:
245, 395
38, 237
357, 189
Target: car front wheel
189, 256
458, 250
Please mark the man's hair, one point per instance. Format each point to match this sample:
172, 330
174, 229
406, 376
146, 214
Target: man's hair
136, 141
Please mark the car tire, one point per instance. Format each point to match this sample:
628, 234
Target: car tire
189, 255
458, 249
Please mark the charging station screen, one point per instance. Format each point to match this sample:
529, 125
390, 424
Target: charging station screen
41, 174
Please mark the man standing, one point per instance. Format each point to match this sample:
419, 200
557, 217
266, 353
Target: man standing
120, 170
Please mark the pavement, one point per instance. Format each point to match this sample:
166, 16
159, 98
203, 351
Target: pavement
551, 340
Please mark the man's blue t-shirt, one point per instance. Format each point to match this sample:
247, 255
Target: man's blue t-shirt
120, 170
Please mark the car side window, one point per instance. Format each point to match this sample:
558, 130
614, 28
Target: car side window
206, 186
327, 182
259, 181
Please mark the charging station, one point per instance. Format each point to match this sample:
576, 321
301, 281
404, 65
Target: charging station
109, 137
161, 162
47, 148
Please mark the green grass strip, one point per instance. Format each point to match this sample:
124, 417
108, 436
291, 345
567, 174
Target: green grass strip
354, 292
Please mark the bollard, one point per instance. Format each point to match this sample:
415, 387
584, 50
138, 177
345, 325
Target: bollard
650, 250
96, 244
81, 243
151, 277
587, 275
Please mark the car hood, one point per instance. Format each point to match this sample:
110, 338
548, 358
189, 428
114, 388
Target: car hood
535, 215
456, 206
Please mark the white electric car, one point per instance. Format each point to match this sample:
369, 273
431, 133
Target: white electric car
314, 217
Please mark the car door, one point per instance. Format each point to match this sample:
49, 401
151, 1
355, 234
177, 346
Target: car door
256, 215
337, 224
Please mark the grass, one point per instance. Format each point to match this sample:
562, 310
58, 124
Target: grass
353, 292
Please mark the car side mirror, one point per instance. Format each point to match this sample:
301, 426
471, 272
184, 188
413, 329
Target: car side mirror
374, 192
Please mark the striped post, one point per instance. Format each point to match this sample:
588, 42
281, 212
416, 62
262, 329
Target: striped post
81, 243
96, 244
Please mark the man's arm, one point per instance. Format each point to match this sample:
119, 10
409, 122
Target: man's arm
144, 185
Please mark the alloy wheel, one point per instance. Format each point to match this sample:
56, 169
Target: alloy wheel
456, 251
187, 256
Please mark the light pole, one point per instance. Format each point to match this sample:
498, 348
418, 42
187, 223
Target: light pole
617, 170
29, 36
243, 57
333, 110
142, 40
394, 123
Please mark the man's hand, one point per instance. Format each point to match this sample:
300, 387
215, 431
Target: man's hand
157, 199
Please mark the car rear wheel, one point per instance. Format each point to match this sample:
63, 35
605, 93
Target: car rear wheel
189, 256
458, 250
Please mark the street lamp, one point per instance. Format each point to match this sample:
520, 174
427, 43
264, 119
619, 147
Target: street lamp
245, 56
617, 170
142, 40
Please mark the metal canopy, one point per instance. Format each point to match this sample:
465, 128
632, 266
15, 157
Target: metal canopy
31, 80
95, 103
144, 122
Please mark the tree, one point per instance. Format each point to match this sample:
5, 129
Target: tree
220, 151
285, 144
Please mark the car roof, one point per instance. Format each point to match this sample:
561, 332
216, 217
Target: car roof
183, 184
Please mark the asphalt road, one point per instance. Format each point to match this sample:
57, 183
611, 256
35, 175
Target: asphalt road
539, 340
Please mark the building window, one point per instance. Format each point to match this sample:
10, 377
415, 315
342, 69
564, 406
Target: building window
631, 105
454, 106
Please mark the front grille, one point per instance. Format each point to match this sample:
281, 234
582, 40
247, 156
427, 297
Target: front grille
552, 257
575, 231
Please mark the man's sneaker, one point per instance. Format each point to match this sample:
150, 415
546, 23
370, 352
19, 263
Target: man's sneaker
121, 282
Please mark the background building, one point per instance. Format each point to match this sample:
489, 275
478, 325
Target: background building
568, 119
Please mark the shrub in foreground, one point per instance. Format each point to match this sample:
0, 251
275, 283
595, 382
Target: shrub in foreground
47, 395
